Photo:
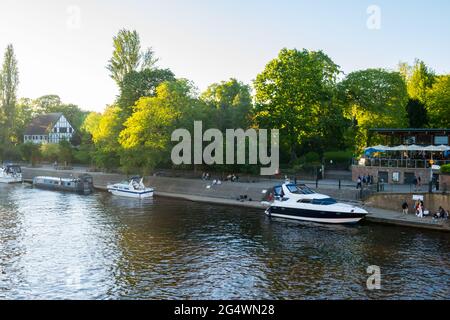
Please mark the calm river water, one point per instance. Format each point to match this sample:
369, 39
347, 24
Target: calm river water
64, 246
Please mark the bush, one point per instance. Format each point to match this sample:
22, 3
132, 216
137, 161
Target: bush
445, 168
312, 157
340, 157
50, 152
30, 152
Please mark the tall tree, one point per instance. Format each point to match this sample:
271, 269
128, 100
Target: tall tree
420, 80
105, 131
127, 55
290, 93
9, 81
374, 98
145, 139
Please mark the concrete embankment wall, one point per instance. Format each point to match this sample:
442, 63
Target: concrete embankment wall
195, 187
393, 201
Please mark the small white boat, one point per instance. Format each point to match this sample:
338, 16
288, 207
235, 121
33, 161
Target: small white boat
134, 188
10, 174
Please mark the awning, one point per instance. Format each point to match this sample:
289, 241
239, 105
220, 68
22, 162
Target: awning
413, 147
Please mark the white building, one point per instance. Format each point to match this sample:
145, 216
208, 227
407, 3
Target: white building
49, 128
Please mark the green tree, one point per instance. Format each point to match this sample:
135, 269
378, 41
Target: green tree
49, 152
419, 79
291, 94
127, 55
65, 152
230, 103
438, 103
146, 137
137, 84
417, 114
374, 98
30, 152
105, 130
9, 81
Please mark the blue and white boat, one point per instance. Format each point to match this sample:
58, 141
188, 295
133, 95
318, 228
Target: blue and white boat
298, 202
134, 188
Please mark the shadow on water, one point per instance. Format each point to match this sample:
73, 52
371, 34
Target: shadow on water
61, 245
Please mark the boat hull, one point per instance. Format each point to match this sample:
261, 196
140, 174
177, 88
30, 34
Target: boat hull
10, 180
132, 194
329, 217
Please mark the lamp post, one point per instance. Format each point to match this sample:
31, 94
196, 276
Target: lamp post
431, 173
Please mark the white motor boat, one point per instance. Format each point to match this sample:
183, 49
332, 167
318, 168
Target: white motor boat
10, 174
299, 202
134, 188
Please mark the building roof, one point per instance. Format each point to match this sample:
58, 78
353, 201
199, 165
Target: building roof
410, 130
43, 124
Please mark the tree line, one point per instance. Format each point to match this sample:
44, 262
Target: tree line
321, 112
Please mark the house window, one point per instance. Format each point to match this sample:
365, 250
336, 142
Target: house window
62, 130
70, 130
55, 130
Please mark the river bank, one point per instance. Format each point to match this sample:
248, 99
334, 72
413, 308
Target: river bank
246, 195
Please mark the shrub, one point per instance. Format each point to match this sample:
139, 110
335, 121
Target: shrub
312, 157
50, 152
341, 157
445, 168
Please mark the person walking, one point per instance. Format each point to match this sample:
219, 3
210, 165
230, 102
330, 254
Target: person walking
405, 207
358, 183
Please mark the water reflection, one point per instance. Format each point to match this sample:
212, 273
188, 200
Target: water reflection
56, 245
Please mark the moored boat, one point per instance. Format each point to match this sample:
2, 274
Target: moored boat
299, 202
10, 173
134, 188
82, 184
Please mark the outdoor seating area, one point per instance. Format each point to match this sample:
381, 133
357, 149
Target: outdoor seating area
406, 156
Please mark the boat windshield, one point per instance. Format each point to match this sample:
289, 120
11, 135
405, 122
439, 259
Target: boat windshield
324, 202
299, 189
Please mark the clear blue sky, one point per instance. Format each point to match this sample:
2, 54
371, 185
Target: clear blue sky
208, 41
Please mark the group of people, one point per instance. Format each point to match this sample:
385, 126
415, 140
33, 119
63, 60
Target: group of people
364, 180
419, 209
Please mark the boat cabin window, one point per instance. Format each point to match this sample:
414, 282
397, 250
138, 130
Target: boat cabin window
321, 202
299, 189
324, 202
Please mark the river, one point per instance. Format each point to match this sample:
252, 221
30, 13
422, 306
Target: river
65, 246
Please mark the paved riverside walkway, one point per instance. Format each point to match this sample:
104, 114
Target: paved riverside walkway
227, 194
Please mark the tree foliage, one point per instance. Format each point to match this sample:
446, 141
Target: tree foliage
292, 92
127, 55
230, 104
9, 81
374, 98
438, 103
137, 84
